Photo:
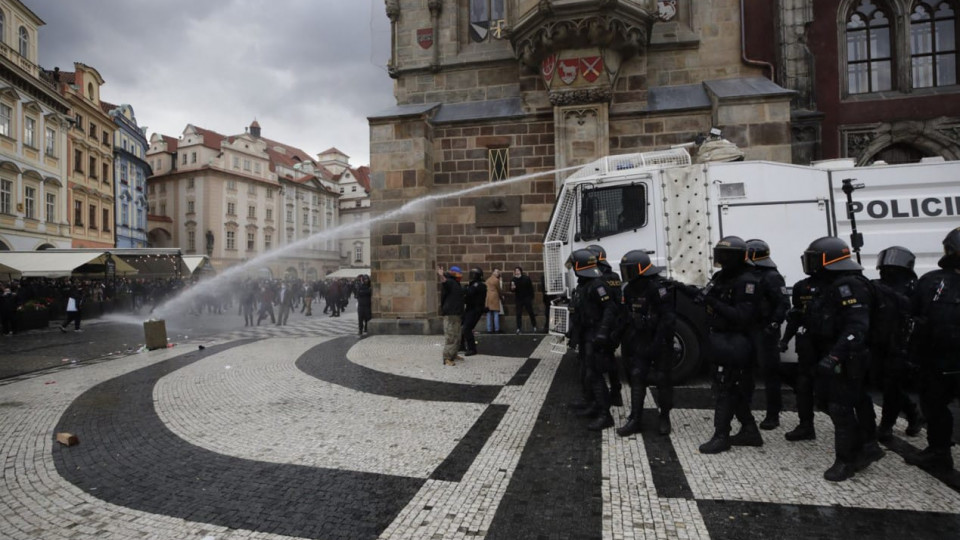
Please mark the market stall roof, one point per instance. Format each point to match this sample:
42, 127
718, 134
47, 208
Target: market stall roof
147, 262
54, 263
348, 273
195, 262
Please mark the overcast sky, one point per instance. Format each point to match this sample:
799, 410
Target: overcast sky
310, 71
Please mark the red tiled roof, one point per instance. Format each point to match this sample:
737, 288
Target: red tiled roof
68, 77
172, 143
333, 150
287, 157
362, 174
107, 107
211, 139
255, 124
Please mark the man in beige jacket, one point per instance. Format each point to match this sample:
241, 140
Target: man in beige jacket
494, 299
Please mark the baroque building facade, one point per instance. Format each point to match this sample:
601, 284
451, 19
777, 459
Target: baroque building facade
34, 121
90, 156
130, 172
494, 89
354, 188
234, 198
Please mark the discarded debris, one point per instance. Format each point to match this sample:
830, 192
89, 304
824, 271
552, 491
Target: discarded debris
200, 347
67, 439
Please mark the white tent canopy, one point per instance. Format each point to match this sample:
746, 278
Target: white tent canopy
350, 273
54, 264
193, 262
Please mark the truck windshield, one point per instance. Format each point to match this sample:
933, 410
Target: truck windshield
610, 210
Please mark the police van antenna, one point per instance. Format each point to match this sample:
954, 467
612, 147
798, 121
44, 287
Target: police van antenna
856, 238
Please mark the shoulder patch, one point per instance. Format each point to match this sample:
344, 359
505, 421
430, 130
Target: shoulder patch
845, 291
783, 290
750, 288
663, 292
601, 291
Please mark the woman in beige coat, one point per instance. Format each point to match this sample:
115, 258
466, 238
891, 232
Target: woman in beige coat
494, 297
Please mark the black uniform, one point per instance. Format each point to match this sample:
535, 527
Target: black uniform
364, 304
773, 304
615, 287
648, 341
595, 314
805, 321
889, 350
846, 316
475, 297
731, 300
936, 305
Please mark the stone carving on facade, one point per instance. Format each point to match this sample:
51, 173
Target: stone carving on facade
580, 97
666, 9
938, 136
393, 10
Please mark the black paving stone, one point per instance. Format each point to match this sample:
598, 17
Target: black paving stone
453, 468
522, 374
739, 519
555, 490
328, 362
668, 476
509, 345
128, 457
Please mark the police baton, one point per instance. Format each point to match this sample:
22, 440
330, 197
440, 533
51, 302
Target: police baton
856, 238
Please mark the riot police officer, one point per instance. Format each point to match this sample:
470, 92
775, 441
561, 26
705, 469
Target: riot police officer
773, 303
936, 306
731, 303
846, 305
475, 297
614, 285
650, 303
805, 321
890, 333
595, 316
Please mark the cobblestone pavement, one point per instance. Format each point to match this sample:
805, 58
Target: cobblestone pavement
307, 431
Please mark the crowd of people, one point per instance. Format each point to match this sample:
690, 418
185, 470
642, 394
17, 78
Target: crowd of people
848, 332
74, 299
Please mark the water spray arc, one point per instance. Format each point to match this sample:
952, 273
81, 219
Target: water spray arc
220, 284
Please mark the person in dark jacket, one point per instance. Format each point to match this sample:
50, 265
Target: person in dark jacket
364, 300
522, 289
475, 300
8, 310
451, 309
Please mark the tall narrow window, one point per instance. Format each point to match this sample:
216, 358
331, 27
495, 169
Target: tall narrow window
93, 217
191, 241
498, 163
78, 161
24, 42
78, 213
6, 196
51, 214
251, 240
30, 202
5, 114
123, 173
231, 240
106, 219
30, 132
869, 51
3, 21
124, 215
487, 18
933, 44
51, 146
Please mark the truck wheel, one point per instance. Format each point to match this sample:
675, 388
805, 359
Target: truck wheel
686, 352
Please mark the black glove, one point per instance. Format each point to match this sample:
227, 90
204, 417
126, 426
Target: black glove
601, 339
784, 345
829, 366
772, 329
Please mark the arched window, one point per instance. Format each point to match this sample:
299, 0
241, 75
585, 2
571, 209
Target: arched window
24, 42
869, 49
933, 43
90, 97
486, 17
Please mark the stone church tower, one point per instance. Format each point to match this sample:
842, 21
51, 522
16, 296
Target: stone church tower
493, 89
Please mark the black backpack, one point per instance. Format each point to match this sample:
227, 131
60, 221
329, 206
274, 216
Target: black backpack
889, 317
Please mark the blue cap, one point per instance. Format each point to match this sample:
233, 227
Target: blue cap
455, 269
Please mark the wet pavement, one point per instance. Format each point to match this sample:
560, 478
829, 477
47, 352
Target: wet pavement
307, 431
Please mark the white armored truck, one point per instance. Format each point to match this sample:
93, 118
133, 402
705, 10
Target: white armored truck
677, 209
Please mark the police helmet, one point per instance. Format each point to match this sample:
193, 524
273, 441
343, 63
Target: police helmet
758, 252
476, 274
637, 263
896, 256
597, 250
828, 253
951, 250
584, 262
730, 252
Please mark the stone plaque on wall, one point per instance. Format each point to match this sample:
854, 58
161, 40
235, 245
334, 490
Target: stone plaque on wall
498, 211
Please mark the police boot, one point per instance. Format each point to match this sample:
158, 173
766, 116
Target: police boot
803, 432
601, 422
915, 421
870, 452
616, 399
637, 395
663, 424
931, 459
748, 435
772, 421
591, 410
718, 443
885, 432
839, 472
